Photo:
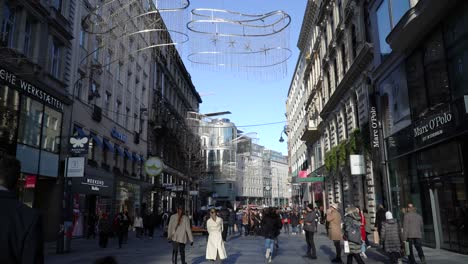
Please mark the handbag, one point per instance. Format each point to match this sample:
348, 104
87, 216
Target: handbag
346, 246
407, 248
235, 228
376, 237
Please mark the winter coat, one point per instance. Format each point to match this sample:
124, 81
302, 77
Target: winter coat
271, 226
391, 236
21, 236
380, 218
309, 222
179, 233
294, 220
334, 225
224, 214
138, 222
363, 226
104, 226
350, 219
412, 225
232, 218
215, 244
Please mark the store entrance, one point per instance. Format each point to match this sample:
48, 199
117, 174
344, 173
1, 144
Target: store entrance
453, 205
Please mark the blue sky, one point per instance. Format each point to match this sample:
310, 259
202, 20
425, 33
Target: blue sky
250, 101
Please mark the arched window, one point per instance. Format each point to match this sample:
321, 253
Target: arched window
353, 40
343, 59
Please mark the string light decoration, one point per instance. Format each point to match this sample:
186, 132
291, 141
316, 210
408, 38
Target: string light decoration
159, 22
255, 45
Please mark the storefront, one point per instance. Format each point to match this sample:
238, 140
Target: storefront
127, 196
92, 195
30, 129
423, 107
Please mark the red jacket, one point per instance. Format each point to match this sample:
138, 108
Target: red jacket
363, 226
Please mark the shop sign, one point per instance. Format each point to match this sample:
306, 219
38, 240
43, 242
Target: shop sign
30, 89
117, 135
356, 162
167, 185
432, 126
178, 188
78, 145
75, 166
194, 193
374, 126
94, 184
309, 179
30, 181
154, 166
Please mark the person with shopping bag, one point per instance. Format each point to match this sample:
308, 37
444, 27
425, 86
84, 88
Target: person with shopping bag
391, 238
352, 235
334, 230
179, 233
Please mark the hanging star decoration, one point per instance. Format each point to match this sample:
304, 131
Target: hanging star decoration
232, 43
247, 46
215, 40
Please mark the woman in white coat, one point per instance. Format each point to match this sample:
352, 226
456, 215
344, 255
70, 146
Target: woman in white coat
215, 246
179, 233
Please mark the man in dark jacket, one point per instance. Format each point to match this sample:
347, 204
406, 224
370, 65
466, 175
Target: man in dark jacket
271, 226
232, 221
412, 232
379, 220
21, 237
310, 228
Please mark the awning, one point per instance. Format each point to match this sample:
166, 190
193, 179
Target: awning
128, 154
136, 157
80, 131
119, 150
108, 145
97, 140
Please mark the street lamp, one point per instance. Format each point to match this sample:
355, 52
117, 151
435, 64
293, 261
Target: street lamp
281, 135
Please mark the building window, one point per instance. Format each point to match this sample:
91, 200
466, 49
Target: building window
8, 26
79, 88
116, 156
55, 59
118, 71
96, 49
118, 105
108, 60
51, 130
325, 37
354, 41
93, 91
340, 9
388, 14
57, 4
107, 98
127, 115
332, 23
335, 72
30, 122
28, 38
344, 63
83, 39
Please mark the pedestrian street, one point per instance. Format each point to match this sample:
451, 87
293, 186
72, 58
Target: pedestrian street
240, 250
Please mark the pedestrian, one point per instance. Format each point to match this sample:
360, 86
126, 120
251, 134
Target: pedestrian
120, 227
379, 220
232, 221
367, 228
91, 226
412, 233
138, 224
215, 246
363, 232
285, 220
271, 226
294, 222
105, 230
352, 234
150, 224
165, 222
334, 230
310, 227
127, 223
391, 238
21, 235
224, 214
246, 222
179, 233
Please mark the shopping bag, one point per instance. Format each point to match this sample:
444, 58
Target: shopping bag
376, 237
363, 248
235, 228
407, 248
346, 247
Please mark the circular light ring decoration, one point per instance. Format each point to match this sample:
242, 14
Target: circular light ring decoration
95, 23
261, 25
185, 38
244, 58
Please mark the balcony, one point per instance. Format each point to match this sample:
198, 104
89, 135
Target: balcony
311, 132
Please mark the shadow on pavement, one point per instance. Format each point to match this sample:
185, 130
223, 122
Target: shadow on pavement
328, 251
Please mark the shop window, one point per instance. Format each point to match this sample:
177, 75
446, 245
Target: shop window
9, 103
51, 130
29, 130
8, 27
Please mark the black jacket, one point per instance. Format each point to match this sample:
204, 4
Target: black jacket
21, 237
224, 214
294, 220
271, 226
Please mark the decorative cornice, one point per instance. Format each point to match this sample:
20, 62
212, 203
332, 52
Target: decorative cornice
307, 24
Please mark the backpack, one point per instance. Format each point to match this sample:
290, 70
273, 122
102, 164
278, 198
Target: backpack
353, 231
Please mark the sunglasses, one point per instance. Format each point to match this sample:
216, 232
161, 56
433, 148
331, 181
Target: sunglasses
212, 212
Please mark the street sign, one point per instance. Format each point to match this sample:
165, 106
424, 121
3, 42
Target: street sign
78, 145
310, 179
193, 193
30, 181
154, 166
357, 164
167, 185
75, 166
